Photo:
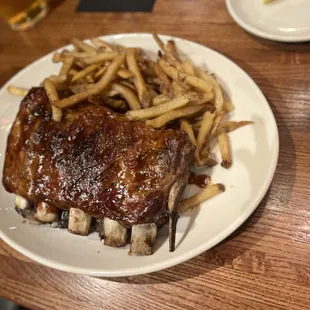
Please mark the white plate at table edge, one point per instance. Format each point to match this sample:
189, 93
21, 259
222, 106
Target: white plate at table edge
261, 33
209, 243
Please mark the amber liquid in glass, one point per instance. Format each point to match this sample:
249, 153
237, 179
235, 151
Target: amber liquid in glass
23, 14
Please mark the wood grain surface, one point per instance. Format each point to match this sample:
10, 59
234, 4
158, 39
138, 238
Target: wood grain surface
265, 264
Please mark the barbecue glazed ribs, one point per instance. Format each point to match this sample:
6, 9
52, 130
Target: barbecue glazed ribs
96, 164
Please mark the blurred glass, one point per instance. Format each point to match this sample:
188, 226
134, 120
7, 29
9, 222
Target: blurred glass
23, 14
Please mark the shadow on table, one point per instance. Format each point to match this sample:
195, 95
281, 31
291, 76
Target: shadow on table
299, 47
53, 4
9, 305
280, 190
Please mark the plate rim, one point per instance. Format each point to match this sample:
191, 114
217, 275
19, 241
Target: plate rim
262, 34
188, 255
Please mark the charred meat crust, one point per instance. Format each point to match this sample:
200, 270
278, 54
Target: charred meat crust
95, 160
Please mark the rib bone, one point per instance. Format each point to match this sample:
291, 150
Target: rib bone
114, 233
22, 203
174, 196
25, 208
79, 222
46, 213
142, 239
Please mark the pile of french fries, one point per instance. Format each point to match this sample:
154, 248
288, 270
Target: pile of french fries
167, 93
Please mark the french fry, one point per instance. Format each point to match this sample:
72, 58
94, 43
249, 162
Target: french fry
100, 58
80, 88
172, 73
172, 115
218, 95
177, 89
72, 72
169, 70
172, 60
57, 79
197, 199
58, 57
187, 127
188, 67
228, 106
153, 80
196, 82
81, 74
206, 97
159, 42
203, 132
97, 88
165, 81
17, 91
206, 161
124, 74
152, 92
206, 125
146, 68
155, 111
100, 43
128, 94
172, 48
128, 84
100, 72
205, 151
169, 49
230, 126
59, 85
78, 55
82, 46
89, 79
216, 123
195, 97
53, 96
218, 99
197, 125
67, 64
162, 98
224, 145
114, 103
143, 94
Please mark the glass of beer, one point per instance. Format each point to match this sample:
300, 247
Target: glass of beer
23, 14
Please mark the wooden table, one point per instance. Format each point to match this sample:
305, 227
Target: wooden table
265, 264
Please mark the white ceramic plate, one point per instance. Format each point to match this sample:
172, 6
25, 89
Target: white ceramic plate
255, 153
281, 20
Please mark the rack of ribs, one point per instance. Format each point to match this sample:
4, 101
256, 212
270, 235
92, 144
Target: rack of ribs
95, 166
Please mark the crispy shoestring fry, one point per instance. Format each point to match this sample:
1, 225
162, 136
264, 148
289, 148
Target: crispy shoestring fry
100, 43
157, 110
139, 82
172, 115
204, 195
128, 94
100, 58
224, 145
85, 72
83, 46
203, 132
17, 91
187, 127
53, 96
